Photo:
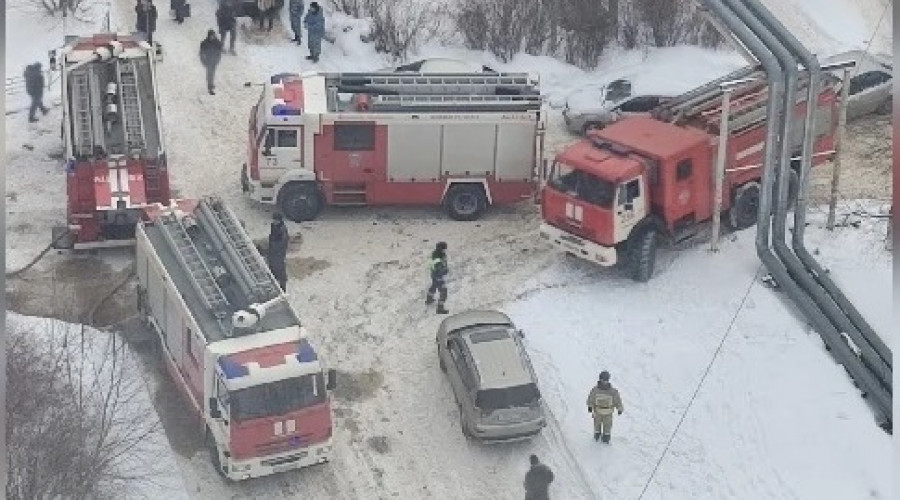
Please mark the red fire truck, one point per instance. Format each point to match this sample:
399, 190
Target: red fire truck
610, 197
114, 147
232, 343
464, 141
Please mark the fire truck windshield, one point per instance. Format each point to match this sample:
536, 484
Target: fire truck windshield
277, 398
582, 185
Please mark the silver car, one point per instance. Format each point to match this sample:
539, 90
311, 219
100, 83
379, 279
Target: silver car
593, 109
492, 379
871, 83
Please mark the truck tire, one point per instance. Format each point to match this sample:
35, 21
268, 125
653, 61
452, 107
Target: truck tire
300, 201
642, 254
465, 202
744, 207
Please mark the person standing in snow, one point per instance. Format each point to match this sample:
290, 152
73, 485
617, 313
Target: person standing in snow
537, 480
276, 254
267, 11
295, 12
178, 9
227, 23
601, 402
315, 31
146, 18
34, 86
439, 269
210, 55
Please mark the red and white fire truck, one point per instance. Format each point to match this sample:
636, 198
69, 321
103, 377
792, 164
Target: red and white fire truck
610, 197
231, 341
464, 141
115, 158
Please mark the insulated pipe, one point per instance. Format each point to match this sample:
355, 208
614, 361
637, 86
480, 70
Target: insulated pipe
819, 321
810, 62
795, 267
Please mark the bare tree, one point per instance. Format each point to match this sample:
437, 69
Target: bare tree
673, 22
396, 27
77, 423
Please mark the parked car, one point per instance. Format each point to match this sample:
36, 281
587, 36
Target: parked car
491, 375
439, 65
871, 83
595, 108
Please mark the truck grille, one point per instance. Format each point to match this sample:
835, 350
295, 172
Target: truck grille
284, 460
562, 223
283, 445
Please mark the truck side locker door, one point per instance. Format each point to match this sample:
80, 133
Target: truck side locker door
631, 207
684, 188
354, 152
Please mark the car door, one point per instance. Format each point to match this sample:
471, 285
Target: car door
454, 367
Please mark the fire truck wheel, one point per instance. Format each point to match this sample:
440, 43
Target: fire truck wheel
465, 202
743, 212
642, 254
300, 201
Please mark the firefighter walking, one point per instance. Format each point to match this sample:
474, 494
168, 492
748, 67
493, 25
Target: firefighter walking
276, 254
601, 402
439, 269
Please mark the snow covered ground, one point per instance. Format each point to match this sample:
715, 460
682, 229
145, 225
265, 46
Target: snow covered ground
775, 417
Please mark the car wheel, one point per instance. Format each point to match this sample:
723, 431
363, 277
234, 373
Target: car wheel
300, 201
465, 202
743, 212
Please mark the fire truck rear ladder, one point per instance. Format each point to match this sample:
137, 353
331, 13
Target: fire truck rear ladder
224, 226
131, 105
435, 84
81, 104
200, 277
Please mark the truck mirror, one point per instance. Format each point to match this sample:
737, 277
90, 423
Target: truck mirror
332, 380
214, 411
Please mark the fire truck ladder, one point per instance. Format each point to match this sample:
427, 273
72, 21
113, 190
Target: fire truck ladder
690, 102
456, 102
435, 84
131, 104
81, 113
200, 277
256, 281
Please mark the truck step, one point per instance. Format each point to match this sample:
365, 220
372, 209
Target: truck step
344, 198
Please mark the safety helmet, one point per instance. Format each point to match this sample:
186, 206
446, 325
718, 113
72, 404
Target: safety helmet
604, 376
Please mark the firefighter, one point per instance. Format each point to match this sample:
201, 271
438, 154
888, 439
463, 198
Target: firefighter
178, 9
601, 402
439, 269
277, 251
295, 12
227, 23
315, 31
146, 18
34, 85
210, 55
537, 480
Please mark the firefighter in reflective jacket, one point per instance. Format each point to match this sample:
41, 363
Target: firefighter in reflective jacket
439, 270
603, 399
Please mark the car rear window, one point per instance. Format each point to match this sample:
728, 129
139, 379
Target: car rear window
508, 397
488, 335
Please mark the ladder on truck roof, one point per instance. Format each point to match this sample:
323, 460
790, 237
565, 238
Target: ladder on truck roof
690, 102
456, 103
176, 235
238, 250
434, 83
80, 94
132, 114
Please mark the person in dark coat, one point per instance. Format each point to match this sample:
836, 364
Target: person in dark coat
225, 18
265, 17
537, 480
315, 30
146, 18
439, 269
295, 12
178, 8
277, 251
210, 55
34, 86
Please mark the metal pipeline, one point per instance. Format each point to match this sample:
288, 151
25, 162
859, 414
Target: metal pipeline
775, 71
794, 266
814, 70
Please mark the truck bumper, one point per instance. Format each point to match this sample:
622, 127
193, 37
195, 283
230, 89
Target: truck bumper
579, 247
239, 470
254, 189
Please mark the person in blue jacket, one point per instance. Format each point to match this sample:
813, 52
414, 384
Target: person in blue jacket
315, 30
295, 12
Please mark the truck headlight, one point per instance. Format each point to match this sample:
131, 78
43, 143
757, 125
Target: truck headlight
240, 468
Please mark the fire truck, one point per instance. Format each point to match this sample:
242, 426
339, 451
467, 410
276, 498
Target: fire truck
463, 141
115, 158
232, 343
609, 198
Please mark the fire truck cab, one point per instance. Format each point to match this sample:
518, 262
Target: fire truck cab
610, 197
463, 141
